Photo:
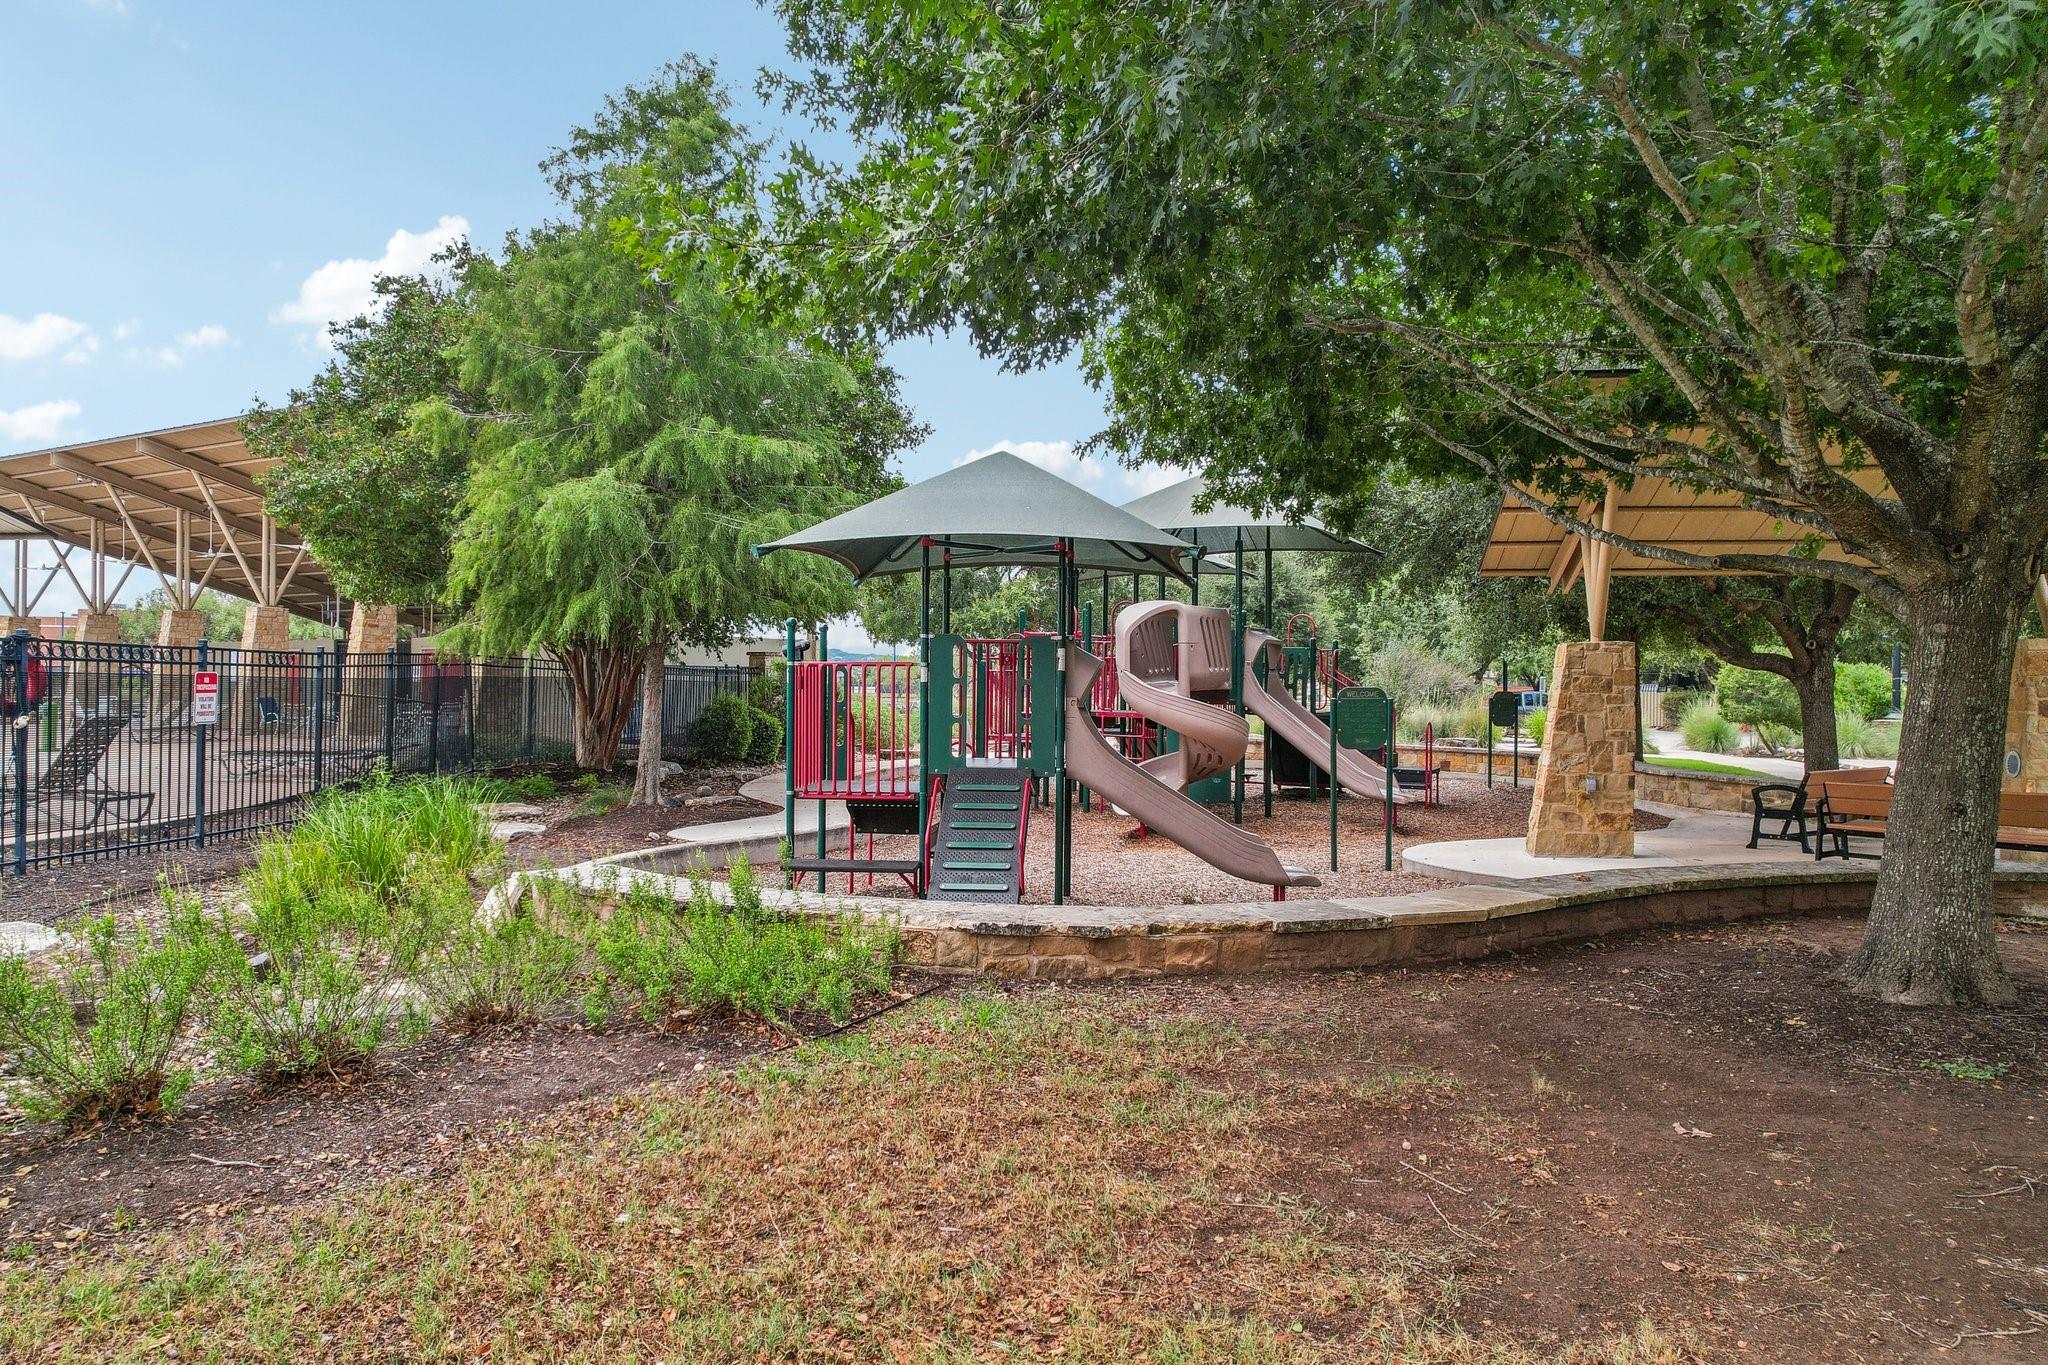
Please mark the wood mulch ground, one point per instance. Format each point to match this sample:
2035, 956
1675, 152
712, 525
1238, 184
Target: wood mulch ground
1112, 866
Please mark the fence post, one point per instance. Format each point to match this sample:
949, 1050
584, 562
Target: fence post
531, 700
434, 720
390, 707
320, 715
199, 769
18, 652
471, 690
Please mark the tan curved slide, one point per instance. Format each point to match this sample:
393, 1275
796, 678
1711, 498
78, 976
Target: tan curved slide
1093, 763
1164, 680
1286, 717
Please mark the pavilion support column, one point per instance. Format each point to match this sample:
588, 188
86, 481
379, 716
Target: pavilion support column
97, 627
13, 624
1584, 803
372, 635
180, 627
266, 628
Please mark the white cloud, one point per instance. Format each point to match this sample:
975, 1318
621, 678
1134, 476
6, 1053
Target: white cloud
1099, 477
182, 346
37, 421
342, 289
39, 337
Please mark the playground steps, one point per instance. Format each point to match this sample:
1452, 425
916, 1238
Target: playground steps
978, 836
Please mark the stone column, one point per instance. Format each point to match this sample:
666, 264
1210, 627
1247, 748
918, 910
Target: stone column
2026, 720
97, 627
180, 628
10, 624
1589, 740
266, 628
372, 635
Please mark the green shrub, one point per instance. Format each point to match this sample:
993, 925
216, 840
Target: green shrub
1465, 720
722, 730
90, 1031
1671, 705
880, 724
603, 800
1534, 723
1856, 737
1414, 675
1863, 690
326, 985
367, 837
764, 745
530, 787
1752, 697
764, 689
1705, 729
514, 967
662, 957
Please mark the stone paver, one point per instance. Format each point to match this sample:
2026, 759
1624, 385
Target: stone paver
21, 938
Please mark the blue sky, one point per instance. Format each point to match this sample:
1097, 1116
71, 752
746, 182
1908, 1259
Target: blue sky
194, 186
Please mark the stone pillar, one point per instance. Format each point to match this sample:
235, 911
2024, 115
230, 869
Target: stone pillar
266, 628
98, 627
11, 624
2026, 720
181, 629
372, 635
1590, 737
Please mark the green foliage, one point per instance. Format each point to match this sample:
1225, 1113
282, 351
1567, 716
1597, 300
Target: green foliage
375, 419
879, 724
526, 787
1968, 1068
511, 967
661, 957
1534, 723
220, 619
602, 800
764, 742
1752, 697
91, 1029
359, 899
1413, 675
1701, 765
1466, 720
764, 689
1671, 705
1706, 730
723, 730
1860, 738
1862, 690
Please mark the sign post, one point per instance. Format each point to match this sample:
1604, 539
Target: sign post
1362, 718
1504, 709
205, 715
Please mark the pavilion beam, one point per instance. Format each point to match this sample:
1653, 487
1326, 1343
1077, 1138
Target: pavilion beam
196, 464
228, 521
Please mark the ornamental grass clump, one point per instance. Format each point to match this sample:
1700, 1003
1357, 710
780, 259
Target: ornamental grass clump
663, 957
92, 1028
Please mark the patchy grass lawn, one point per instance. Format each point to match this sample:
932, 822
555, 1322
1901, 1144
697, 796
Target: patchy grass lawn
976, 1176
1707, 765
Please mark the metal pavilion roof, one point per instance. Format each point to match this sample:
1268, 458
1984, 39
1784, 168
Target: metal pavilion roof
184, 501
997, 510
1226, 526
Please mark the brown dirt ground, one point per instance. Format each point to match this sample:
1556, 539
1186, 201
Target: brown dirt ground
1700, 1128
1113, 867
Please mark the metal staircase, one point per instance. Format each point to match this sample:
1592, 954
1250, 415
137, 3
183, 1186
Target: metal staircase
977, 842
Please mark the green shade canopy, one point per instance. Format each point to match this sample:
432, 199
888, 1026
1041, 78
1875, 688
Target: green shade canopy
997, 510
1228, 527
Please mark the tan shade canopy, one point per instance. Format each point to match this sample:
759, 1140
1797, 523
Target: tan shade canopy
184, 502
1655, 511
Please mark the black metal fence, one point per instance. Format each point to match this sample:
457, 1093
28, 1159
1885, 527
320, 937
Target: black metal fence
110, 748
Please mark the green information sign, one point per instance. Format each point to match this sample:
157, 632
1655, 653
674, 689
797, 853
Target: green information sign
1504, 708
1360, 717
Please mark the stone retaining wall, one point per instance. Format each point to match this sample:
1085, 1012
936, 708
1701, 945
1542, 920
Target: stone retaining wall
1459, 759
1695, 791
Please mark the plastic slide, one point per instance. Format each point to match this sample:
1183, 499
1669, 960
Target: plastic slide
1286, 717
1094, 763
1165, 679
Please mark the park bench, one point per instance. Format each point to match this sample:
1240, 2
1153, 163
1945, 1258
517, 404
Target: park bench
1860, 810
1792, 805
74, 776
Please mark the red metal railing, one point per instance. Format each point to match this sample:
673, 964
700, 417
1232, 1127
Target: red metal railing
856, 729
992, 699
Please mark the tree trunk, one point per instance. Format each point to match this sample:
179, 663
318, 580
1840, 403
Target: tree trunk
602, 680
653, 680
1816, 689
1929, 940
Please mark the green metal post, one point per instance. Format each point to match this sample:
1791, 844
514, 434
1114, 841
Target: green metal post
1266, 765
1063, 828
924, 695
946, 595
788, 746
831, 739
1237, 676
1333, 789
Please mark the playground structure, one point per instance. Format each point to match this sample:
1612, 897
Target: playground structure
958, 747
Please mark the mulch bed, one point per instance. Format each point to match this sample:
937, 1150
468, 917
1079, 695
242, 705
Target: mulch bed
49, 894
1113, 867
